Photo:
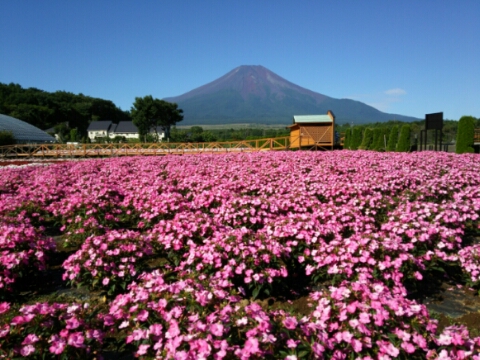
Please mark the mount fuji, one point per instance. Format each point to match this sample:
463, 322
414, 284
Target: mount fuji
254, 94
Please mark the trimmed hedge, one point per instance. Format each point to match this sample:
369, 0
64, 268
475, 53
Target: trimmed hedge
377, 143
403, 144
393, 139
356, 138
367, 139
465, 135
348, 136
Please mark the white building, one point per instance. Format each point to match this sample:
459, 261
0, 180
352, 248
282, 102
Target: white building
99, 129
124, 129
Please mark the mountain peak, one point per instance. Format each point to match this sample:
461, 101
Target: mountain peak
254, 94
250, 80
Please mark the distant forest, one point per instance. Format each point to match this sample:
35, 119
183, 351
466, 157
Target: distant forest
46, 110
65, 111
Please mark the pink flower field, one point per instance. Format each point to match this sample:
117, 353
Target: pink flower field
274, 255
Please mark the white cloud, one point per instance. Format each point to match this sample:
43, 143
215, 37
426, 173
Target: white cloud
395, 92
383, 101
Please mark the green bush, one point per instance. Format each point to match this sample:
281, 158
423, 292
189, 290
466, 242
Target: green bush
7, 138
356, 140
393, 139
465, 135
403, 144
367, 139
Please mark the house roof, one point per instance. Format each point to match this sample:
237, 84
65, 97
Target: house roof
126, 127
103, 125
312, 119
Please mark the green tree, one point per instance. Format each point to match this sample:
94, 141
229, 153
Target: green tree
149, 113
367, 139
377, 139
403, 144
346, 141
356, 140
62, 131
208, 136
73, 135
196, 134
465, 135
46, 110
393, 139
380, 135
7, 138
177, 135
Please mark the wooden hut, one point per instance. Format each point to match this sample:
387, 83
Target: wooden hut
313, 131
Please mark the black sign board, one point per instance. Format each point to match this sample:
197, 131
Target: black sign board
434, 121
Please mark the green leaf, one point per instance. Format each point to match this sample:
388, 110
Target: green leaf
256, 291
111, 290
303, 354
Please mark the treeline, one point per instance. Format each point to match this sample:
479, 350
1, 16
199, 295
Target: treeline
198, 134
398, 136
395, 138
449, 133
69, 115
63, 109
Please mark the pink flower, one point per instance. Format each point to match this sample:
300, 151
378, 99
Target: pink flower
18, 320
216, 329
318, 349
420, 341
173, 330
124, 324
76, 340
242, 321
408, 347
251, 346
4, 307
444, 339
30, 339
292, 344
352, 307
392, 350
58, 345
290, 322
4, 330
417, 275
347, 336
142, 315
72, 323
142, 349
27, 350
181, 355
356, 345
364, 318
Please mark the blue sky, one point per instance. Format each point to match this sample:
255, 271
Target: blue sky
405, 57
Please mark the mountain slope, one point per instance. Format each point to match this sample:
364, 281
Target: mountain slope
254, 94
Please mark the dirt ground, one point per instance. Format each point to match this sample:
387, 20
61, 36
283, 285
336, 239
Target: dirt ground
28, 162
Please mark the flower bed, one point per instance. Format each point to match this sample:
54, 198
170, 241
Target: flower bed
262, 255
